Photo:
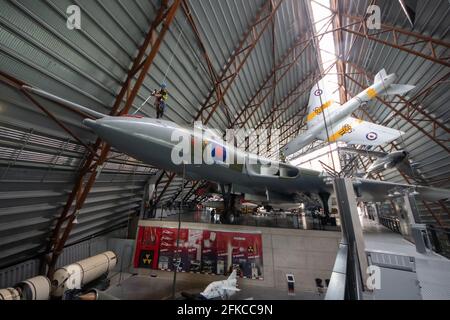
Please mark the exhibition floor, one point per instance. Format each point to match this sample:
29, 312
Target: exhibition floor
273, 220
146, 287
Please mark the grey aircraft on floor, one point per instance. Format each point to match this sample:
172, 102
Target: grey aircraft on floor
152, 141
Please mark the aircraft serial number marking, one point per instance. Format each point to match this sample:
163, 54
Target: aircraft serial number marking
341, 132
318, 110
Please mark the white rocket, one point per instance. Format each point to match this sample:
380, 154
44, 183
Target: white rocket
340, 126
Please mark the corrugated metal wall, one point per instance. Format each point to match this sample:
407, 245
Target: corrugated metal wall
30, 268
38, 160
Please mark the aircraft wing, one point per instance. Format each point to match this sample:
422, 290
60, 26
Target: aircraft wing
289, 180
229, 288
362, 152
376, 190
410, 171
356, 131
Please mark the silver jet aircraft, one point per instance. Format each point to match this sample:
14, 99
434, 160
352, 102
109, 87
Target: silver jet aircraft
330, 121
397, 159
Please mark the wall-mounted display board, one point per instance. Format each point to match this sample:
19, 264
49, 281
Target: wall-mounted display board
199, 251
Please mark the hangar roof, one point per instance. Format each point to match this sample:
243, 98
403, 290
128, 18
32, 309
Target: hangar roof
259, 53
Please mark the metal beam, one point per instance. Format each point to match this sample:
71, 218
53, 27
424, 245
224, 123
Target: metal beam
265, 89
171, 176
138, 63
166, 22
222, 83
215, 80
339, 44
183, 186
91, 169
191, 191
251, 107
433, 49
238, 59
18, 84
302, 88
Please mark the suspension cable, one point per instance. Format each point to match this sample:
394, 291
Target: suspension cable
168, 67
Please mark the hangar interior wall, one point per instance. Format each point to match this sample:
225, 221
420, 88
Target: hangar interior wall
307, 254
12, 275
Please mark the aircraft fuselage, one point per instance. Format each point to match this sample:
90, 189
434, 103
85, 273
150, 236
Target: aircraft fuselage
152, 141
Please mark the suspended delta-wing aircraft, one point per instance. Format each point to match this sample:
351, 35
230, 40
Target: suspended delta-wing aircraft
152, 141
397, 159
339, 124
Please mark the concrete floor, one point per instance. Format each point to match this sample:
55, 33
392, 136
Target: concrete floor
432, 270
145, 287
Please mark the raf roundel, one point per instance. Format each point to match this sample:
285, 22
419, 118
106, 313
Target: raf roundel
371, 136
219, 153
318, 92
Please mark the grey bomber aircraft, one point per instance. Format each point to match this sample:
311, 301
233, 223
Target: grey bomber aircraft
151, 141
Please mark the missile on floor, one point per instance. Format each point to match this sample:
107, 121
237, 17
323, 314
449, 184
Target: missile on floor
36, 288
78, 274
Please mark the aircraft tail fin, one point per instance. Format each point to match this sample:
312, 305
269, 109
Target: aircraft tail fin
380, 76
399, 89
393, 89
71, 105
319, 100
233, 275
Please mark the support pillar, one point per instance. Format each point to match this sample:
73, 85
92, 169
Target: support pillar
405, 211
229, 212
352, 237
375, 212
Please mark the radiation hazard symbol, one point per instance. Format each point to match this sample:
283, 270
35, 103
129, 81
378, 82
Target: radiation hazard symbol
250, 249
146, 259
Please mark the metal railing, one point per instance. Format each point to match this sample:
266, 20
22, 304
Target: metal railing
440, 239
336, 288
345, 281
271, 220
391, 223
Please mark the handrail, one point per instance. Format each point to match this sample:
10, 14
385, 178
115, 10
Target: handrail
345, 281
391, 223
440, 237
337, 286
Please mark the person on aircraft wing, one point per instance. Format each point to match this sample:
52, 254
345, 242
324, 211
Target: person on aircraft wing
282, 157
161, 96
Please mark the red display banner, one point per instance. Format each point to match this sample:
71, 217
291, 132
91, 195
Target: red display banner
199, 251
